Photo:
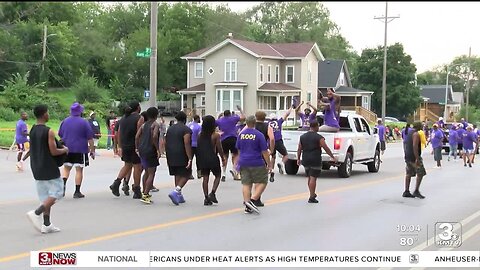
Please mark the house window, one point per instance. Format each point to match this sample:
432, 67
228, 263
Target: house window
229, 99
261, 73
365, 102
309, 72
269, 73
285, 102
230, 70
198, 70
277, 73
267, 103
202, 100
342, 78
194, 102
289, 74
309, 96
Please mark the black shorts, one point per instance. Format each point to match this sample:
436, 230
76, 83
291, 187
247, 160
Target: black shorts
216, 171
76, 160
460, 147
130, 156
194, 151
149, 161
280, 147
313, 171
229, 144
180, 171
383, 145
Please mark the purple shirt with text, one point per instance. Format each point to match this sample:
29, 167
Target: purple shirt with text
251, 143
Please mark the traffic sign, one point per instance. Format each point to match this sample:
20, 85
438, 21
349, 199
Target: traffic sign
147, 53
146, 93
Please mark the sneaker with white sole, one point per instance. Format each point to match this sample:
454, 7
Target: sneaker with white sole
49, 229
35, 219
280, 168
251, 206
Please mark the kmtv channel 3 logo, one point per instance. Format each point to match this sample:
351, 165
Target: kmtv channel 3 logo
448, 234
57, 258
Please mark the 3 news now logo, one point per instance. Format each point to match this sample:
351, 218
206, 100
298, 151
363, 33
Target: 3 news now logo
57, 258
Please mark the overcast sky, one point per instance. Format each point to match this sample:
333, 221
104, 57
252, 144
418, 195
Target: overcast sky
433, 33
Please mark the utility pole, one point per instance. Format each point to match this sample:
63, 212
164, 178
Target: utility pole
153, 57
468, 81
384, 83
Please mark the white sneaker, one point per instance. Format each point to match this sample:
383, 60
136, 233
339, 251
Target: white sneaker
36, 220
49, 229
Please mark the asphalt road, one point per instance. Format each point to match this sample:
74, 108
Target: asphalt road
360, 213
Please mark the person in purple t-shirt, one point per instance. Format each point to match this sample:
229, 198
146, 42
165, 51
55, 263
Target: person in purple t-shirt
196, 128
254, 161
436, 139
21, 137
460, 131
227, 124
276, 125
77, 135
307, 116
330, 113
381, 135
453, 139
469, 138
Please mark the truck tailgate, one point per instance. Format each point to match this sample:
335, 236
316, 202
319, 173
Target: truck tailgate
291, 139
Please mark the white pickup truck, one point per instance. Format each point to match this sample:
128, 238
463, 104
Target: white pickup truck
356, 142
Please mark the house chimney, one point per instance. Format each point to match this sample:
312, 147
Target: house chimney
230, 35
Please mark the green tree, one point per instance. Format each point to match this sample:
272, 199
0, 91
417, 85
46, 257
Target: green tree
86, 89
403, 97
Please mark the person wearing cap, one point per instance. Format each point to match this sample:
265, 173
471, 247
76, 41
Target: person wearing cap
469, 138
95, 128
276, 125
331, 112
440, 123
307, 116
77, 135
436, 138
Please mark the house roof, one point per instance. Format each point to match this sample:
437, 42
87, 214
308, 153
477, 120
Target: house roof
349, 90
194, 89
264, 50
328, 72
277, 86
436, 93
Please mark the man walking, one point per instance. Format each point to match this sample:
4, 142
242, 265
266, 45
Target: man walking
276, 125
227, 124
110, 124
437, 143
179, 155
43, 150
381, 135
311, 144
96, 130
267, 132
453, 142
195, 127
127, 129
413, 160
21, 138
469, 139
254, 161
77, 135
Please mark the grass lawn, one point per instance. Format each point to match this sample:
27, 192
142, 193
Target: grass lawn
7, 136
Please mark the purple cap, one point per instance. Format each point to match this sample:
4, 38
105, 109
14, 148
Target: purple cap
76, 109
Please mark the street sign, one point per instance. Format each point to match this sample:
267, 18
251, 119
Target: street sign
147, 53
146, 94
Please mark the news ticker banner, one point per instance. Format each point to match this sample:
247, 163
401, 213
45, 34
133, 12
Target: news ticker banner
211, 259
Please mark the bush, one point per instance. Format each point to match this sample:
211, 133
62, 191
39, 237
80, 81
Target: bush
19, 95
86, 89
8, 114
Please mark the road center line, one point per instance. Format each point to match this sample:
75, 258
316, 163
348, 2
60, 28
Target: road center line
289, 198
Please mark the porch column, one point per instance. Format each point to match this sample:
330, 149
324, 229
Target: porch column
277, 106
181, 101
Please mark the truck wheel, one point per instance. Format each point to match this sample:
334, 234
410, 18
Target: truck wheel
291, 167
326, 166
374, 165
345, 169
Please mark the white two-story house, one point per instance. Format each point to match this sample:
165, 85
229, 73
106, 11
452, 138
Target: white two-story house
255, 76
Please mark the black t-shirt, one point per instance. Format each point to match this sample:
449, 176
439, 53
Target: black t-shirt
312, 152
43, 164
175, 146
263, 128
128, 130
146, 146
